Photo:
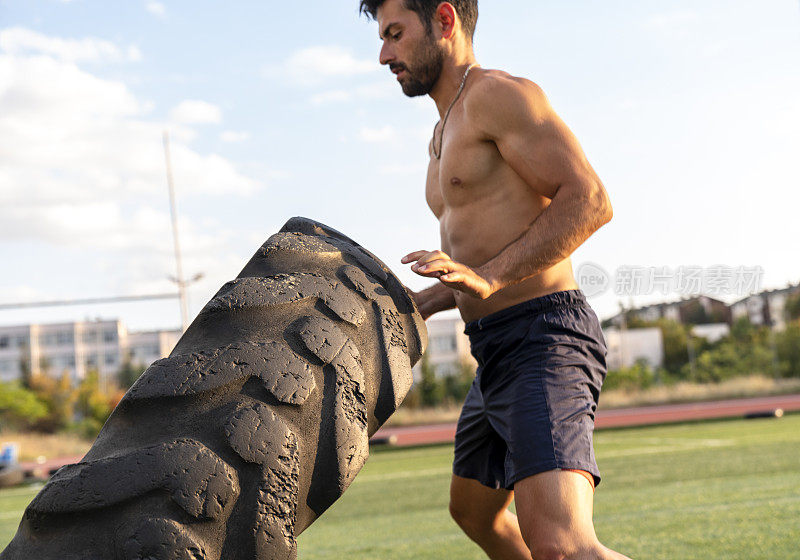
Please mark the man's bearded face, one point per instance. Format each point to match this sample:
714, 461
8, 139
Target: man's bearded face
423, 68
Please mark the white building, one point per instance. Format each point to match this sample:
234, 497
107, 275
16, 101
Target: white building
628, 346
712, 332
448, 347
144, 348
766, 308
78, 347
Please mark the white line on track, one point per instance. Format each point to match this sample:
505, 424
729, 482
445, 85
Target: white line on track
684, 446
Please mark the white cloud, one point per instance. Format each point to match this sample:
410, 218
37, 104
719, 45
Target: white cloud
18, 41
233, 136
375, 135
674, 24
156, 8
313, 65
674, 18
134, 54
330, 97
82, 166
376, 90
402, 169
194, 111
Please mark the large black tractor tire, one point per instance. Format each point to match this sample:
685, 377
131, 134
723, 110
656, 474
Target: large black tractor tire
253, 426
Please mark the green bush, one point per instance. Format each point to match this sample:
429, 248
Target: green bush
729, 359
638, 376
92, 404
788, 348
20, 408
58, 394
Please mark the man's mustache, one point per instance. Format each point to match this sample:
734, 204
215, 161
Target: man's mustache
397, 66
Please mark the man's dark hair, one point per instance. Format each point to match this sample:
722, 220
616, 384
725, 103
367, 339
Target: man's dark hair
467, 11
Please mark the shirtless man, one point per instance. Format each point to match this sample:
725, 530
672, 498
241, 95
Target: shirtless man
515, 196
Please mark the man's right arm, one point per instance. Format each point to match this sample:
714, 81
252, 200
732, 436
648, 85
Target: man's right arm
434, 299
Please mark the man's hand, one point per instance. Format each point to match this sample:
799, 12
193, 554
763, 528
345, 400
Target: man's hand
436, 264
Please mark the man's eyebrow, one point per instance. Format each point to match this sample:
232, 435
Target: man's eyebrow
387, 29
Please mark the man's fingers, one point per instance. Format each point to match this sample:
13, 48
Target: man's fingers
424, 256
452, 277
411, 257
443, 265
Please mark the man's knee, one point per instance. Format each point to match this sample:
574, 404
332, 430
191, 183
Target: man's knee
566, 549
477, 509
466, 516
473, 519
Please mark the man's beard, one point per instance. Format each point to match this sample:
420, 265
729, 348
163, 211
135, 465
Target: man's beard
425, 72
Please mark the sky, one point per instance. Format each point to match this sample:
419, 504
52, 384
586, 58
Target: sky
689, 112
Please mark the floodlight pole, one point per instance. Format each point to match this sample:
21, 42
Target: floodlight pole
174, 216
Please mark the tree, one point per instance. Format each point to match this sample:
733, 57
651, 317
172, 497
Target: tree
676, 344
457, 386
743, 331
430, 389
788, 348
59, 396
92, 404
26, 372
129, 373
793, 307
20, 407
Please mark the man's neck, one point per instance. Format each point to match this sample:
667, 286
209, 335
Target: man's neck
450, 80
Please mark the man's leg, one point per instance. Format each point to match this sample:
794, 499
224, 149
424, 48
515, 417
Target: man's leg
482, 513
555, 517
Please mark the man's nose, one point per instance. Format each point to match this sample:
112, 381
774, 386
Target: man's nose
386, 55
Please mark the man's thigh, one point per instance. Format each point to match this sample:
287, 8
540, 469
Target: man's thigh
555, 506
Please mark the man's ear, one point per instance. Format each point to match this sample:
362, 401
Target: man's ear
445, 18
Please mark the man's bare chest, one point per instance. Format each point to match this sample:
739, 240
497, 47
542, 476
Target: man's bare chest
466, 171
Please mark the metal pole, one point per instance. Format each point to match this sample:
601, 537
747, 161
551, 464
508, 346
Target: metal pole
174, 215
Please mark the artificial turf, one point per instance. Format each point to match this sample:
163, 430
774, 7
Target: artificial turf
710, 490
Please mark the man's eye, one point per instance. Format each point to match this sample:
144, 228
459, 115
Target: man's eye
396, 36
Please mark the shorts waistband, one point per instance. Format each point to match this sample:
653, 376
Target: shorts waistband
535, 305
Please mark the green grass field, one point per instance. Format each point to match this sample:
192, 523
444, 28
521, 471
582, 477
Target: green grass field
713, 490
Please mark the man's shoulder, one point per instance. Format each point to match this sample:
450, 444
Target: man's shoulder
495, 96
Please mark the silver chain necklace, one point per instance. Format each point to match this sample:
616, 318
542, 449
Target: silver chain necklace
447, 114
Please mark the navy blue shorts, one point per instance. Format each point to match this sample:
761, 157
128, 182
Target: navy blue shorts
532, 404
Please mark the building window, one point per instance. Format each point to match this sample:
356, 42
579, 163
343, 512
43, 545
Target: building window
89, 337
444, 343
22, 341
446, 370
110, 336
91, 361
48, 339
65, 338
111, 359
4, 341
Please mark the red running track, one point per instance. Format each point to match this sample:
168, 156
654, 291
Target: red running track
615, 418
618, 418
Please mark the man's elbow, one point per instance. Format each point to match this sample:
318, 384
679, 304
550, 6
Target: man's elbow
601, 204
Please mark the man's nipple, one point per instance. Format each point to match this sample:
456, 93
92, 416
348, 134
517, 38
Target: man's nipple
455, 181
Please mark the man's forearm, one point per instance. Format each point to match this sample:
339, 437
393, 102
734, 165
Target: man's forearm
560, 229
435, 299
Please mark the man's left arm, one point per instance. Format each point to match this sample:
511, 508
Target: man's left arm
538, 146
